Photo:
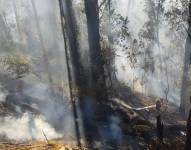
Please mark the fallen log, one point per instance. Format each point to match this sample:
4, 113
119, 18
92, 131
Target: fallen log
120, 102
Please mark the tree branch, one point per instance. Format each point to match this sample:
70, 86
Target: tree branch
102, 3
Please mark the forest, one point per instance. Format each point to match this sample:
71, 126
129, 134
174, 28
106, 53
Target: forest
95, 74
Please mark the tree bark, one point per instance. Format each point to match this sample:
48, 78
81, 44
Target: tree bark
68, 29
99, 98
80, 78
91, 88
97, 62
188, 136
72, 35
185, 92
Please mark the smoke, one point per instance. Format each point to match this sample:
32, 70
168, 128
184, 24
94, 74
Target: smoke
44, 107
3, 94
26, 128
116, 132
32, 104
167, 54
37, 111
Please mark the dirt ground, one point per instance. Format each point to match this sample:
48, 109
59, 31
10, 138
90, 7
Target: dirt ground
138, 126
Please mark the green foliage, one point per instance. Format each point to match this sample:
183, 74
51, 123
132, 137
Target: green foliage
177, 15
121, 33
124, 39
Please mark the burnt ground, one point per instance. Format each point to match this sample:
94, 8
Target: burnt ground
133, 129
139, 126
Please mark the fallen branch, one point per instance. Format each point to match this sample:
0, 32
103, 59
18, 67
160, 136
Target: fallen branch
120, 102
45, 137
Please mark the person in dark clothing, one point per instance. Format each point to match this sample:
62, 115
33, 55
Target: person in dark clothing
160, 128
159, 124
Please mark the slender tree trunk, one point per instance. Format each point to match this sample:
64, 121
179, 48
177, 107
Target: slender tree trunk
69, 69
185, 92
72, 35
109, 63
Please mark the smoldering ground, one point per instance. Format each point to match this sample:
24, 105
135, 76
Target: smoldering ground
36, 111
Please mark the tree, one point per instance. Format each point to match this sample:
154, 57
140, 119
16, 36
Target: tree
97, 61
185, 92
98, 89
106, 12
77, 77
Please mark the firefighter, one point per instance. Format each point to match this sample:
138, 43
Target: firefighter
158, 105
159, 123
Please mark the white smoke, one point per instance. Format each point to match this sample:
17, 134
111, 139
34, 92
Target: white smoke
53, 117
170, 52
116, 132
26, 128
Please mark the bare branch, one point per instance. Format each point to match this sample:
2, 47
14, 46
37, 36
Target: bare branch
102, 3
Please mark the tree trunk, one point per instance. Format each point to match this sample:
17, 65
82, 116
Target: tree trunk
188, 136
91, 88
80, 78
72, 35
185, 91
69, 29
97, 62
99, 98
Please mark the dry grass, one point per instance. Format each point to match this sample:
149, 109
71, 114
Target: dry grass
37, 145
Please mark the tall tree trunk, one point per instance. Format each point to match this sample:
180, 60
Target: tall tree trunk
80, 78
91, 88
185, 91
97, 62
78, 72
108, 56
69, 29
100, 95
